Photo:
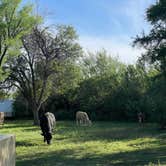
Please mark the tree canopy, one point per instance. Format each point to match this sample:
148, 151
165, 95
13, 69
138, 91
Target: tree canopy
32, 71
155, 42
15, 22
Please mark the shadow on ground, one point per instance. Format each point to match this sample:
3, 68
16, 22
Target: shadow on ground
68, 133
25, 143
71, 157
17, 124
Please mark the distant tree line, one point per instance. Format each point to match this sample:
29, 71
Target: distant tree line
107, 90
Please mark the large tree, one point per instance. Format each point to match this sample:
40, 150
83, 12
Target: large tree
33, 70
155, 45
15, 21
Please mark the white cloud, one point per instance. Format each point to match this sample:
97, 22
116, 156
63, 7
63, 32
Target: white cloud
136, 12
120, 47
132, 11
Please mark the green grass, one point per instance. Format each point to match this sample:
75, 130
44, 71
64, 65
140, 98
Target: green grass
102, 144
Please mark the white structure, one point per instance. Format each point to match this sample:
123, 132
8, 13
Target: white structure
7, 150
6, 106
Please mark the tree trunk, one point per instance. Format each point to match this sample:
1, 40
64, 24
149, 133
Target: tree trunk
36, 118
34, 108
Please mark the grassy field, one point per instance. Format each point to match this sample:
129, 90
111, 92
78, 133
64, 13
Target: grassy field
102, 144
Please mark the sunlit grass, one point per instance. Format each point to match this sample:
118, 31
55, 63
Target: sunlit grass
104, 143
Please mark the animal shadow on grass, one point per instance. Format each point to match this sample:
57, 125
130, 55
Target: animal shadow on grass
25, 143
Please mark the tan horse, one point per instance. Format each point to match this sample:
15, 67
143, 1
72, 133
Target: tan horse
82, 118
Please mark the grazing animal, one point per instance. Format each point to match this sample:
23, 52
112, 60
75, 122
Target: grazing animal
141, 117
82, 118
47, 122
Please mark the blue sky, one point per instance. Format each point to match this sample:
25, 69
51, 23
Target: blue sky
109, 24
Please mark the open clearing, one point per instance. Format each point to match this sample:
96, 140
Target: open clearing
102, 144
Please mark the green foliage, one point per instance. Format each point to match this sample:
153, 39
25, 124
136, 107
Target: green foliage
100, 64
15, 22
103, 75
68, 76
156, 13
157, 93
104, 87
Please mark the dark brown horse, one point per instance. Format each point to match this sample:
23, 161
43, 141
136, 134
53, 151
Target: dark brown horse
47, 122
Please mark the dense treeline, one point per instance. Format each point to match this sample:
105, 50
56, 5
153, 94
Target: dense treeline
44, 66
108, 90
